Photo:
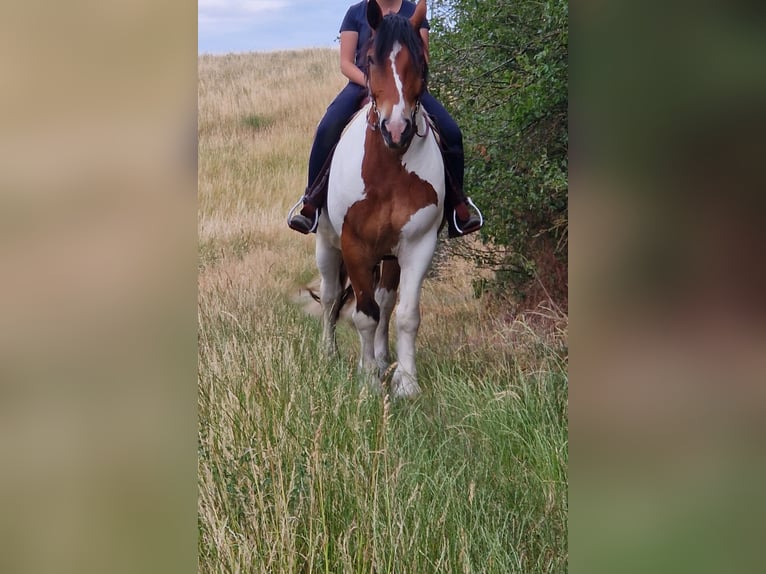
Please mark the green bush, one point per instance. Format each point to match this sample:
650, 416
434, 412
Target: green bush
501, 68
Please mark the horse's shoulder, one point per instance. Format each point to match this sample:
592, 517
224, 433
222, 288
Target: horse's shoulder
358, 117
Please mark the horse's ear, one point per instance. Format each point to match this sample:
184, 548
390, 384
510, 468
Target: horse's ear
420, 14
374, 14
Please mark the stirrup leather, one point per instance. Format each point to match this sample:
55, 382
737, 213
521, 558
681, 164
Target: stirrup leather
472, 204
292, 212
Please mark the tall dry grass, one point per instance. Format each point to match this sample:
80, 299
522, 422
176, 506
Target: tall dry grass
298, 470
257, 113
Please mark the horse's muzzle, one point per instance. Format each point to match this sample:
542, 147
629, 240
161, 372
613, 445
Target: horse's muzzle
397, 135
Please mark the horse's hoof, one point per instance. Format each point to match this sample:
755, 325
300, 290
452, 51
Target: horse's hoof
404, 387
369, 381
384, 369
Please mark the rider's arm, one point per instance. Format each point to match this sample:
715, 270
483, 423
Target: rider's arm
348, 67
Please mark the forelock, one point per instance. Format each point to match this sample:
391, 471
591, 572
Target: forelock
396, 28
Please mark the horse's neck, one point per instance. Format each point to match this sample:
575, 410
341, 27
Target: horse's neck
361, 115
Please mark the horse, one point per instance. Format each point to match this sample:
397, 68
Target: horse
385, 205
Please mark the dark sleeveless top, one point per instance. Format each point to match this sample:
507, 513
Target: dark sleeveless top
356, 21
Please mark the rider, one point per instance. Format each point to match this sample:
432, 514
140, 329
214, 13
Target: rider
354, 35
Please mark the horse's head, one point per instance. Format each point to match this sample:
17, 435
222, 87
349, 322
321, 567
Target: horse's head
396, 72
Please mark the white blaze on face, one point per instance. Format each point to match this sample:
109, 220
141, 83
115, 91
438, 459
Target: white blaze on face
396, 122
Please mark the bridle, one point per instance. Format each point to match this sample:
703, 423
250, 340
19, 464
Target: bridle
374, 126
374, 102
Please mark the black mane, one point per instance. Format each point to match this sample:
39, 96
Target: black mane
395, 28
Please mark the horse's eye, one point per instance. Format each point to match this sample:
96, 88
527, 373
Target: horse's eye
370, 61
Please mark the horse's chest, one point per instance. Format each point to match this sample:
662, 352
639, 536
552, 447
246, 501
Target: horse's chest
375, 194
391, 196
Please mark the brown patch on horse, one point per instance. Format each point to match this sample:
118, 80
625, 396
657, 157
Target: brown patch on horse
373, 225
412, 80
389, 274
392, 196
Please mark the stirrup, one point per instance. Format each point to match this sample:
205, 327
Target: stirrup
472, 204
292, 211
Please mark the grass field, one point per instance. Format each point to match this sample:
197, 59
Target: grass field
299, 471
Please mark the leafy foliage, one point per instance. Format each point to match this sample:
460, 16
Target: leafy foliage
500, 67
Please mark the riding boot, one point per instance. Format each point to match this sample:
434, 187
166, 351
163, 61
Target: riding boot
305, 220
314, 198
466, 222
456, 207
459, 219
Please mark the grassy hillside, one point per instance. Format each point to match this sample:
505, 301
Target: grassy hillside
299, 471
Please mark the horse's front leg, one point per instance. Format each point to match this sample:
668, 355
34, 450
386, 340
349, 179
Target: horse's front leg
385, 296
414, 268
329, 263
361, 272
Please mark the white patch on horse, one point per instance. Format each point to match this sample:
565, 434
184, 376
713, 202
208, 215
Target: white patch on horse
424, 159
349, 171
386, 299
397, 113
425, 220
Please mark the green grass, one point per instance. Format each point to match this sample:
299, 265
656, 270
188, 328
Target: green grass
303, 472
258, 122
300, 470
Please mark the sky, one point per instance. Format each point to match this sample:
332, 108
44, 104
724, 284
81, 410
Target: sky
267, 25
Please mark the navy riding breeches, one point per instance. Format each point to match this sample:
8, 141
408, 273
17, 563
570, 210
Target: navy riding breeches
452, 140
338, 114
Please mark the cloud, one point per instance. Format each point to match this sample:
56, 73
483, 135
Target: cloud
239, 7
246, 25
225, 14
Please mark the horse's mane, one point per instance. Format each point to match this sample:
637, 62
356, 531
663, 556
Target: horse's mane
395, 28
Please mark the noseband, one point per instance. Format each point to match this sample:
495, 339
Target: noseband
413, 115
375, 125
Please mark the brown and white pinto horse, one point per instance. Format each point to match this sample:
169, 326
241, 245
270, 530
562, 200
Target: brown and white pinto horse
385, 204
